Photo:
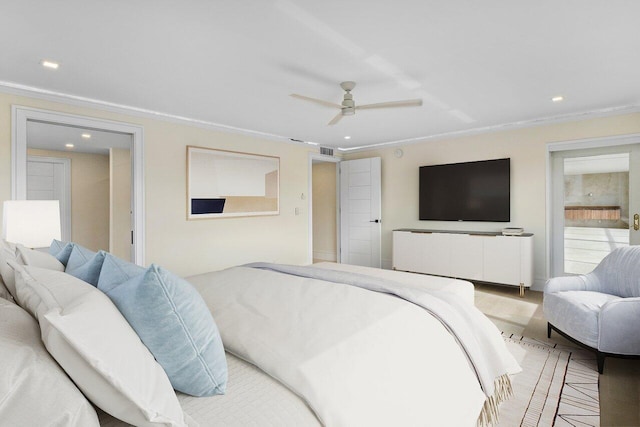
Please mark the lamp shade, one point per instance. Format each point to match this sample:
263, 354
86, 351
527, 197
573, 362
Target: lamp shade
33, 223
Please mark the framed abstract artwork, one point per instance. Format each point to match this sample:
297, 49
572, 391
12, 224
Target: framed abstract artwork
224, 184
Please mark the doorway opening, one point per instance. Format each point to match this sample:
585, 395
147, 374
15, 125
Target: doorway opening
323, 209
103, 205
594, 198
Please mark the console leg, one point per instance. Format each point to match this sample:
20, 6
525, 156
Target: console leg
521, 290
548, 330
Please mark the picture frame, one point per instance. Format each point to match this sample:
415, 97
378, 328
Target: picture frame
222, 184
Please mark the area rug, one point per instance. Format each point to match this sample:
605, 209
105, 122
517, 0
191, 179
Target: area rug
557, 387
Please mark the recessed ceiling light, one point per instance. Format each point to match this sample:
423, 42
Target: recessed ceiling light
50, 64
86, 135
557, 98
69, 145
347, 137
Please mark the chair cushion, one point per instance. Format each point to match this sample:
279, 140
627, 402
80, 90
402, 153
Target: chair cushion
576, 313
618, 272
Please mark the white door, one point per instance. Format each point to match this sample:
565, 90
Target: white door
360, 212
49, 178
595, 205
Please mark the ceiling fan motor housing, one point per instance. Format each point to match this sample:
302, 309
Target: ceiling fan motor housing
348, 106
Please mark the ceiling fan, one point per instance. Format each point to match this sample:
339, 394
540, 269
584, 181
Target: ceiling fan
349, 107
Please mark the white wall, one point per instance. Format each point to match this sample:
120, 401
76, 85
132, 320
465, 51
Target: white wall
527, 150
191, 247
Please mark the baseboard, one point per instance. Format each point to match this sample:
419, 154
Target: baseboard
538, 284
325, 256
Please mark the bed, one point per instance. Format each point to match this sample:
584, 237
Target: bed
329, 344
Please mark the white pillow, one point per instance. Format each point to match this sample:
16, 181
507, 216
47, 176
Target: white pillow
4, 292
34, 390
95, 345
8, 254
38, 259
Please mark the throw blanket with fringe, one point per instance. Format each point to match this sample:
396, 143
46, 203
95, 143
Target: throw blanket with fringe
359, 357
479, 338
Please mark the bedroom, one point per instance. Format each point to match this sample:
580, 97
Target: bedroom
173, 117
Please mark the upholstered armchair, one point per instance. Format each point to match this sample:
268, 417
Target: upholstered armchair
600, 310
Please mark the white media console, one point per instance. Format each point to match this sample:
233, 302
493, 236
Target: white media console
481, 256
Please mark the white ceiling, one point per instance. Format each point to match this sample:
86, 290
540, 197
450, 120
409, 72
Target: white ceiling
477, 65
48, 136
606, 163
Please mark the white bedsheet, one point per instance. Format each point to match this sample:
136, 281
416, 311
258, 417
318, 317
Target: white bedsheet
358, 357
253, 398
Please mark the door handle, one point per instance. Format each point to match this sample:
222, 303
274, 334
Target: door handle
636, 222
376, 221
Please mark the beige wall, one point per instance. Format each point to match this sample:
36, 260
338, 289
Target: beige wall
120, 206
89, 197
190, 247
324, 211
527, 150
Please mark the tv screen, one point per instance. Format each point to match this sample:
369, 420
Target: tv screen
472, 191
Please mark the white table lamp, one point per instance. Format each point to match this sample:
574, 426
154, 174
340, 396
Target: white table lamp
32, 223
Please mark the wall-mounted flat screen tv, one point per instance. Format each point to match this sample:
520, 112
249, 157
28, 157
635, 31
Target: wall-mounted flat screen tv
472, 191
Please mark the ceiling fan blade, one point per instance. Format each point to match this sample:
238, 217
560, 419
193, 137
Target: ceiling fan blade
391, 104
317, 101
336, 119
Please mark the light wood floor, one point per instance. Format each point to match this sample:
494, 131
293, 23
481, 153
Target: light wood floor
619, 385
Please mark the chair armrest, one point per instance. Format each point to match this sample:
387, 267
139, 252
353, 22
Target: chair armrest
565, 283
618, 323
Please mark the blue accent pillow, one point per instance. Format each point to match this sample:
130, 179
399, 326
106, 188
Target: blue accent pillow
61, 250
79, 255
173, 321
115, 271
89, 271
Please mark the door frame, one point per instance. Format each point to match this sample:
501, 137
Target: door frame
19, 117
580, 144
330, 159
65, 203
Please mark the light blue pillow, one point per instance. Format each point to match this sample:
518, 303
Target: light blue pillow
115, 271
173, 321
89, 271
79, 255
61, 250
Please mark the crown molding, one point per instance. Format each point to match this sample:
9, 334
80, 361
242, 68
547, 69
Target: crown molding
572, 117
80, 101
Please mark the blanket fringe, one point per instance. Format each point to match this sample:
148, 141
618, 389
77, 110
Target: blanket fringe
490, 411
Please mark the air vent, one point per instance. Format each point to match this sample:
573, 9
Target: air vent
326, 151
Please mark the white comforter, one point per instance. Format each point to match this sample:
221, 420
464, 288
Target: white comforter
357, 357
